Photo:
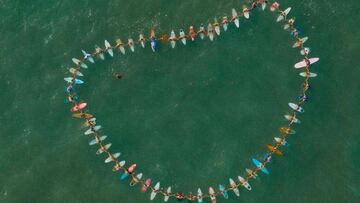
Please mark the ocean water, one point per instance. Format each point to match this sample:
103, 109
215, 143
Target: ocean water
189, 117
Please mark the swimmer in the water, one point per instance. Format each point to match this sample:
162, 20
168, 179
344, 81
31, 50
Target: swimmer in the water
118, 76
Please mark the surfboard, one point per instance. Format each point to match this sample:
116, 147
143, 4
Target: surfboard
97, 140
113, 157
260, 166
234, 187
304, 62
78, 107
92, 130
109, 48
75, 71
79, 63
136, 179
308, 74
166, 196
82, 115
299, 43
296, 107
273, 149
155, 191
283, 14
100, 150
199, 195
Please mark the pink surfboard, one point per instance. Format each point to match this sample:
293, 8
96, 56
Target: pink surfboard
78, 107
132, 168
303, 63
146, 185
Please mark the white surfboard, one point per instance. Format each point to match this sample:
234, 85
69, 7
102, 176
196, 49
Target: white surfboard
119, 165
210, 32
199, 196
296, 107
234, 188
283, 15
263, 6
112, 158
136, 179
246, 13
79, 63
88, 56
96, 141
235, 17
109, 48
291, 118
244, 183
131, 44
76, 72
212, 195
122, 163
166, 197
172, 39
279, 140
120, 44
302, 41
308, 74
217, 27
92, 130
154, 192
304, 62
99, 52
182, 37
100, 150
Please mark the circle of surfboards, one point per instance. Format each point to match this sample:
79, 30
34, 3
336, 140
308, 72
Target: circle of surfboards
79, 107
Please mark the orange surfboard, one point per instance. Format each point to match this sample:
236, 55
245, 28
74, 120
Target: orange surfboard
273, 149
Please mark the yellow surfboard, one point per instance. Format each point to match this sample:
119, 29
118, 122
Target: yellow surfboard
82, 115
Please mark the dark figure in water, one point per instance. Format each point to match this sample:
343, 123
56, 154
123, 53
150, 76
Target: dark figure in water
118, 76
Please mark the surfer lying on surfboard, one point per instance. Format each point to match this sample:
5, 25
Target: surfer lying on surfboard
89, 122
180, 196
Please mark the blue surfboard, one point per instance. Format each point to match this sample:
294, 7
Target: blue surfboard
124, 176
259, 165
224, 193
153, 44
76, 81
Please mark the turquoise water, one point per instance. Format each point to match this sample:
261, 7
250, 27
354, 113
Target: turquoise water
190, 117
